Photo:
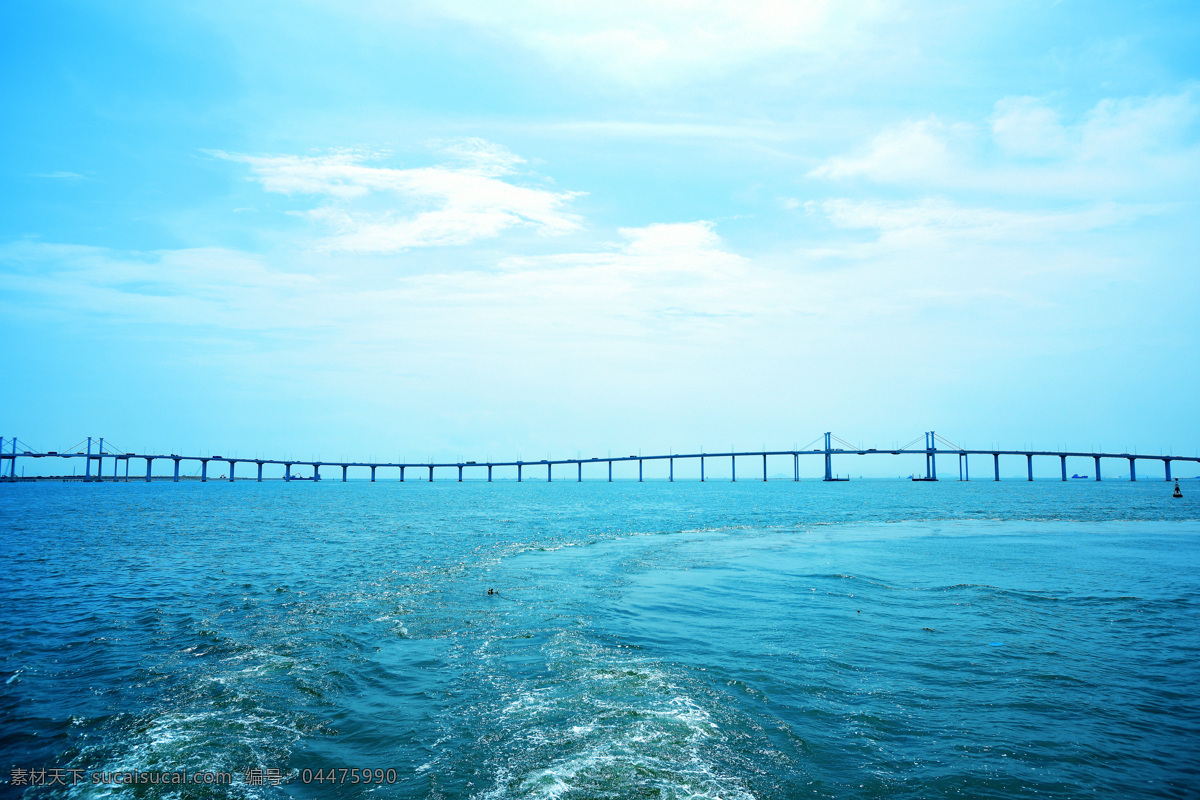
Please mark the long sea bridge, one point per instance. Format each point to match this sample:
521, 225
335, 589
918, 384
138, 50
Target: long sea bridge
97, 460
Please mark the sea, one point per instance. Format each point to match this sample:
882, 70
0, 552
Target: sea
860, 639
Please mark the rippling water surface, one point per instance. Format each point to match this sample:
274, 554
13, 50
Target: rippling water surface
751, 640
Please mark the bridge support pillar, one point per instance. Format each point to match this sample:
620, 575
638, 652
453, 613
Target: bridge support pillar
733, 467
1029, 464
702, 469
671, 475
231, 463
1132, 470
1167, 468
204, 470
639, 470
996, 456
344, 468
796, 467
460, 473
287, 472
402, 474
259, 472
150, 461
610, 472
518, 472
764, 467
316, 472
579, 472
829, 461
176, 478
1097, 466
549, 470
431, 473
372, 473
489, 473
1063, 460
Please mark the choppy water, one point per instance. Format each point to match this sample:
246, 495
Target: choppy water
780, 640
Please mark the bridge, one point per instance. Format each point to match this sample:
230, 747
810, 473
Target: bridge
97, 462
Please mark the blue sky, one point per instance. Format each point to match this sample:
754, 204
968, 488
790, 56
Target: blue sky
470, 229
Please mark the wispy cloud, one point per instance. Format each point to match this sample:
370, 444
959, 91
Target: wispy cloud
679, 270
942, 218
209, 287
373, 209
60, 175
662, 285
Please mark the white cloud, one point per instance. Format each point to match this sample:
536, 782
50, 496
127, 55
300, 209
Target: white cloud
1022, 126
1142, 146
916, 151
654, 42
1119, 127
371, 209
935, 255
659, 272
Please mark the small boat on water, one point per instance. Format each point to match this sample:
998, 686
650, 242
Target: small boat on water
916, 479
1079, 477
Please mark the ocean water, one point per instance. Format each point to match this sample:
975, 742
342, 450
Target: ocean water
867, 639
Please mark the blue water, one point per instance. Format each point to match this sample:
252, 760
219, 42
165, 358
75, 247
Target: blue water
780, 640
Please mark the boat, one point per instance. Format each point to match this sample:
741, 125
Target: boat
918, 480
1079, 477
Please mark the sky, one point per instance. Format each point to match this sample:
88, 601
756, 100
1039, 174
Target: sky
471, 230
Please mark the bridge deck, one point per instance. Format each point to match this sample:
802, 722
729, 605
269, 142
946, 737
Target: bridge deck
8, 460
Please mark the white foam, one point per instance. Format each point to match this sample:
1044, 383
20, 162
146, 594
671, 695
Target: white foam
640, 729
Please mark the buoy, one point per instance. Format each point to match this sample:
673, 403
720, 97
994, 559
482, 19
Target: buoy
1177, 492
